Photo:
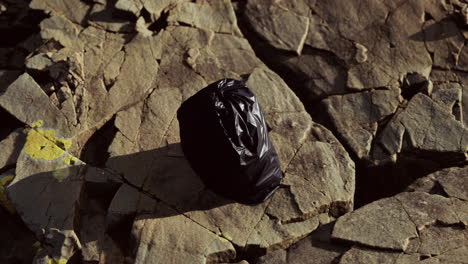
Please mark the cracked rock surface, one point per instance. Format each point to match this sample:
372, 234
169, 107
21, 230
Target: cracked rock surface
426, 224
388, 79
365, 100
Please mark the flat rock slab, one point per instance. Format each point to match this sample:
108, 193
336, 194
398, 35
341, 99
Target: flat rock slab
425, 225
392, 223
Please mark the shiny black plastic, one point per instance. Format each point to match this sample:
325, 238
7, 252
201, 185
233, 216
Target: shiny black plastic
225, 139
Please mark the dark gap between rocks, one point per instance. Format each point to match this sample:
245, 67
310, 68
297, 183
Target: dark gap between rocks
18, 23
42, 78
94, 152
146, 15
19, 26
9, 123
16, 242
160, 23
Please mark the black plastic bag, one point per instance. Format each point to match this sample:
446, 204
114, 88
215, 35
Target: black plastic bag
225, 139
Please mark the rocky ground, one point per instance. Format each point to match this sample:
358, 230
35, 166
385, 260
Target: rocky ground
366, 100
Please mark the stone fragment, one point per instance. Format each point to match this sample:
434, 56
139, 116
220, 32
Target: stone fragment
172, 239
316, 247
130, 6
424, 126
454, 183
362, 255
217, 16
60, 29
157, 8
436, 240
444, 39
282, 28
74, 10
356, 116
382, 224
397, 222
425, 209
25, 99
272, 92
39, 62
361, 53
105, 17
11, 147
142, 27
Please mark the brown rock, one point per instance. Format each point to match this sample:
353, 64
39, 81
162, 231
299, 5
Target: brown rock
356, 116
11, 147
424, 126
275, 25
383, 224
157, 238
362, 255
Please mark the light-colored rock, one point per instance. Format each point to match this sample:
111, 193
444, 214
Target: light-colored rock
103, 16
60, 29
316, 247
24, 95
384, 30
361, 255
74, 10
157, 8
451, 182
172, 239
272, 92
427, 127
217, 16
282, 28
39, 62
383, 223
396, 222
129, 5
436, 240
356, 116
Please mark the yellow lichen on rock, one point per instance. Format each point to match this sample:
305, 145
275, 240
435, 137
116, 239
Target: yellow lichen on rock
39, 147
44, 144
57, 261
38, 123
3, 199
70, 160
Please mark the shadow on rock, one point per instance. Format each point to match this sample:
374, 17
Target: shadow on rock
98, 202
440, 30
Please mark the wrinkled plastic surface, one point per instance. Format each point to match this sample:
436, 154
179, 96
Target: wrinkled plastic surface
225, 139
